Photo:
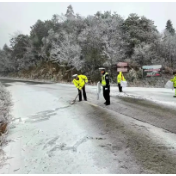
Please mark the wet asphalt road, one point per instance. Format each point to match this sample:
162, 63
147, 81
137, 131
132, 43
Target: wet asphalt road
129, 136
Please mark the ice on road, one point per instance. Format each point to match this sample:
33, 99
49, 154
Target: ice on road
48, 135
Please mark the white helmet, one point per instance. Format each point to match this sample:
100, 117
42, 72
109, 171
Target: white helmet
75, 75
101, 68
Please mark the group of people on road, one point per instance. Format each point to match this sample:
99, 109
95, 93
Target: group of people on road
80, 80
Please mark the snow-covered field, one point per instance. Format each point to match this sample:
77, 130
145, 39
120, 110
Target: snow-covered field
48, 135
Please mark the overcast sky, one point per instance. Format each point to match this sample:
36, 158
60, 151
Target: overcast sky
20, 16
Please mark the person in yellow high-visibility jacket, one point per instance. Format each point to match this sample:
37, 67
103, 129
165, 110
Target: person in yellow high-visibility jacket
79, 81
120, 78
174, 81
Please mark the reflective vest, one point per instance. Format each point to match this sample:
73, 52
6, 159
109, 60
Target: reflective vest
103, 81
174, 80
120, 77
81, 82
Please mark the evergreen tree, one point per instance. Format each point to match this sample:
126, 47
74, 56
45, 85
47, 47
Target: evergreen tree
70, 13
169, 27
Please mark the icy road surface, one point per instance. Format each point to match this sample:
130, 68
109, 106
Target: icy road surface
135, 134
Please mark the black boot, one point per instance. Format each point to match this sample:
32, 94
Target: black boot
107, 104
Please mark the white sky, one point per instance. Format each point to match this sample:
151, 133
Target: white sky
20, 16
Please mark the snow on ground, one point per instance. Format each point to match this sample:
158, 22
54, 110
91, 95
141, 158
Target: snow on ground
43, 129
158, 95
49, 135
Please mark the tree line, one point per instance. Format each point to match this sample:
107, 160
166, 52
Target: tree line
86, 43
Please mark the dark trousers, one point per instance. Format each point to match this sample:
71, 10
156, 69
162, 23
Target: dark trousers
106, 94
120, 87
84, 94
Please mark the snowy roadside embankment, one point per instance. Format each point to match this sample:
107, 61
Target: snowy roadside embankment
25, 79
140, 83
5, 103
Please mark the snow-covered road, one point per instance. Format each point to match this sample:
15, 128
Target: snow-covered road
48, 135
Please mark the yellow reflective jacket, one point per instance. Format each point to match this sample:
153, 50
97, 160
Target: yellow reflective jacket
174, 80
103, 80
81, 82
120, 77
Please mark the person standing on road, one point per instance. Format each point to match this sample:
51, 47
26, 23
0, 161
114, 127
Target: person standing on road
106, 85
120, 78
79, 81
174, 82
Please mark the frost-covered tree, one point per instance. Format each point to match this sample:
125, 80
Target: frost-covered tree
92, 46
168, 49
169, 27
65, 51
70, 13
137, 30
86, 43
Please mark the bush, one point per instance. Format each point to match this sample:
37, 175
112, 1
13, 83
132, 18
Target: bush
168, 70
131, 76
5, 104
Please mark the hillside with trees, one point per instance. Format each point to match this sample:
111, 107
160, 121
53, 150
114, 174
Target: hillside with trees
70, 43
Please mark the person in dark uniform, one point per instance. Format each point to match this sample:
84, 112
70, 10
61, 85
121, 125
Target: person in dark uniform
106, 85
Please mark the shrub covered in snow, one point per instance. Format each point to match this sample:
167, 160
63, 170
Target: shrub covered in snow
5, 104
132, 75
